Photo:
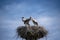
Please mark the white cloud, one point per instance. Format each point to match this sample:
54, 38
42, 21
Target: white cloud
12, 24
45, 20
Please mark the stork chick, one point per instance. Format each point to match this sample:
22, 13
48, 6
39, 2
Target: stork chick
34, 21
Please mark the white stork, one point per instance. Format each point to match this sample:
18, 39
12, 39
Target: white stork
34, 21
26, 21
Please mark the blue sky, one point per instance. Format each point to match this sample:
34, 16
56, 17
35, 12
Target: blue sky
46, 12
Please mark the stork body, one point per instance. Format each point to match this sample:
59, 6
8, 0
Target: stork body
34, 21
26, 21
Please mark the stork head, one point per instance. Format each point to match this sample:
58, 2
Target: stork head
30, 17
22, 17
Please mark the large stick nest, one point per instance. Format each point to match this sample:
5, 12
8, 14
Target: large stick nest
34, 32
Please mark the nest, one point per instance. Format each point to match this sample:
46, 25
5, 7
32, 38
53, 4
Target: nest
34, 32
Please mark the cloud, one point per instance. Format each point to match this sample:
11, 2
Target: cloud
45, 20
12, 24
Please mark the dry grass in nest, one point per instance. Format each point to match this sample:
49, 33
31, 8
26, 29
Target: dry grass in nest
34, 32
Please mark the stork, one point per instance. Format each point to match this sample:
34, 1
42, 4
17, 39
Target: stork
34, 21
26, 21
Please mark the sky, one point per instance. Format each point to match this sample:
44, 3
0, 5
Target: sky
46, 12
